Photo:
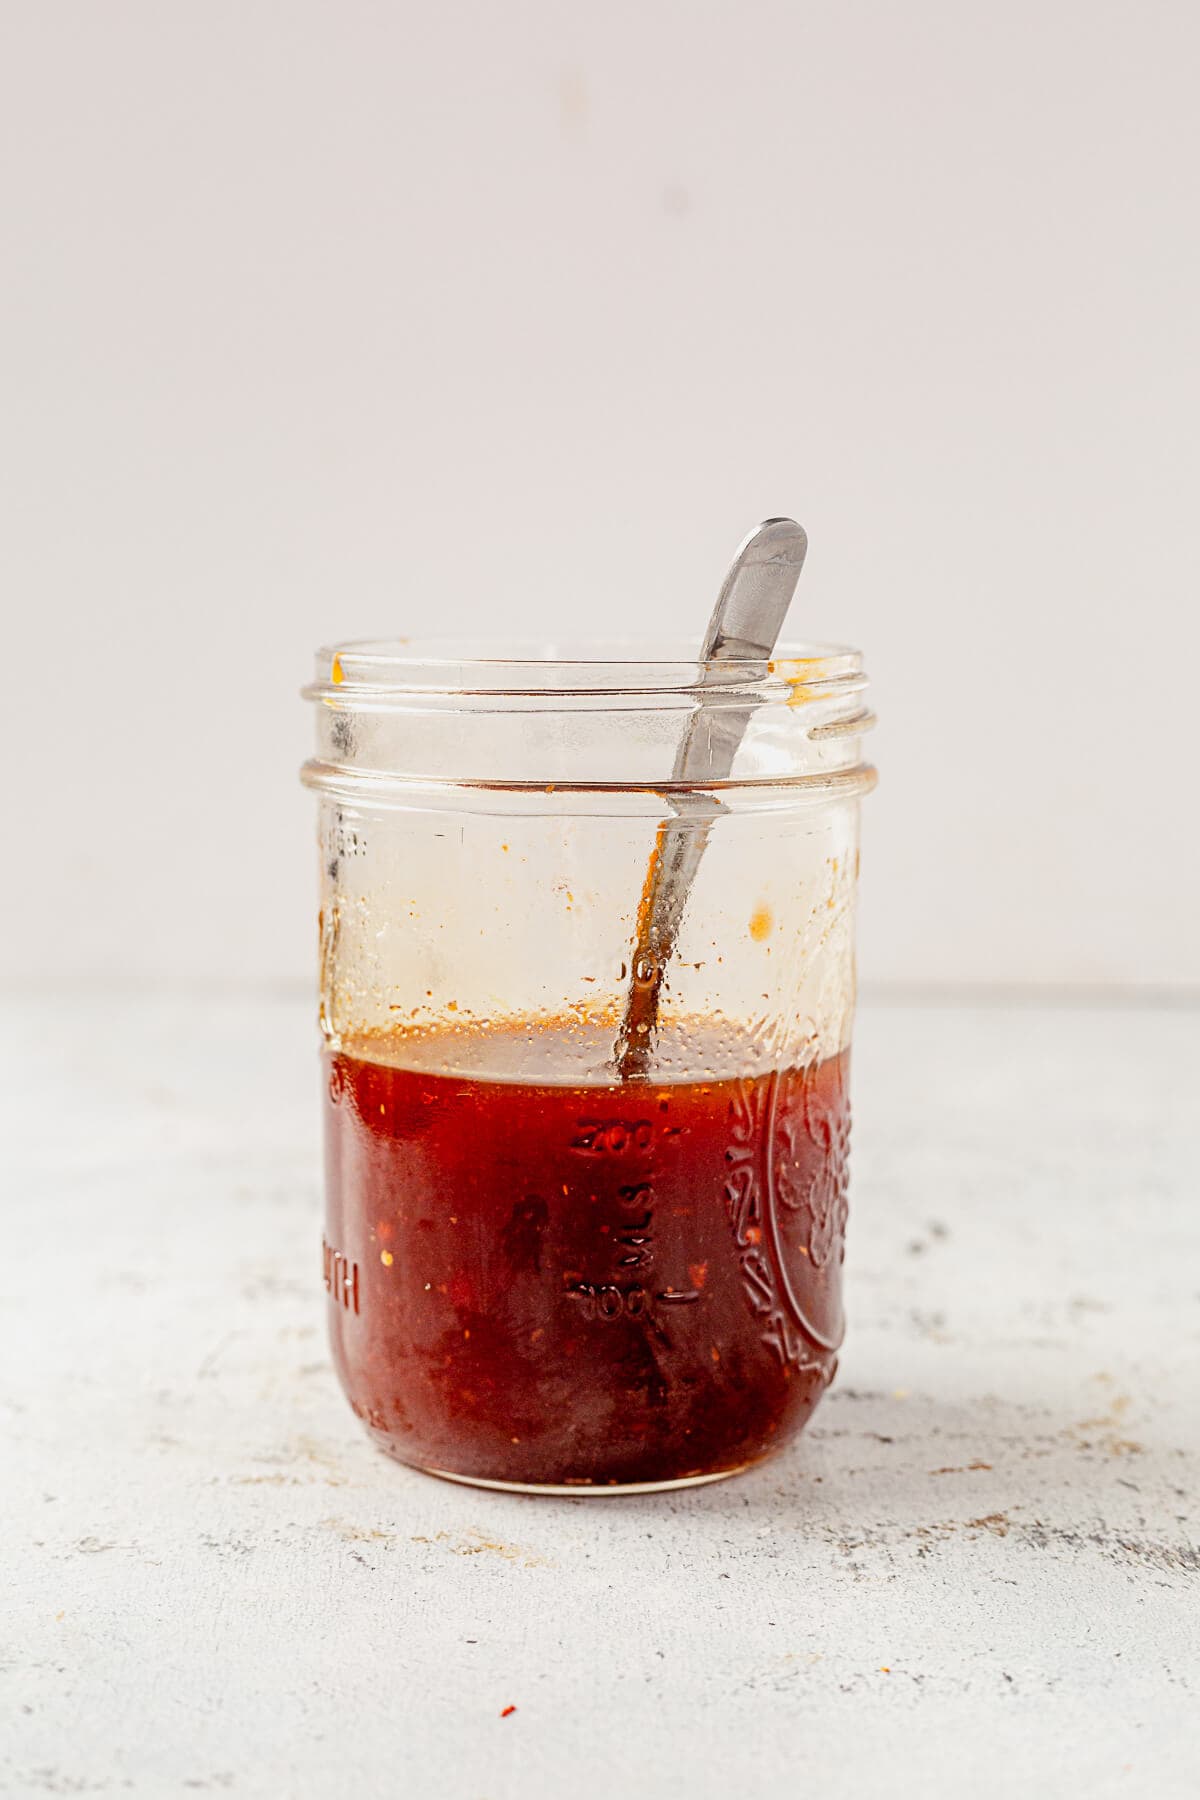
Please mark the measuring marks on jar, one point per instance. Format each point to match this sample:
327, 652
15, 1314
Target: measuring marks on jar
341, 1277
626, 1151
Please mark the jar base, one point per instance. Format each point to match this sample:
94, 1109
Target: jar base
584, 1489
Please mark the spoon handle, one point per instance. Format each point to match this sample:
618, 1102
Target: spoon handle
744, 628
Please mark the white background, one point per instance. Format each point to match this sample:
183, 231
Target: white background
337, 319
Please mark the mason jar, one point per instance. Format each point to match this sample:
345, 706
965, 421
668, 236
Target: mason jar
548, 1265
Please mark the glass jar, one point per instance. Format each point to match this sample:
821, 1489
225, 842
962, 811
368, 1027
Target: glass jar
543, 1271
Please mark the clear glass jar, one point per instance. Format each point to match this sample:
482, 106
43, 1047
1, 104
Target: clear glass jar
541, 1274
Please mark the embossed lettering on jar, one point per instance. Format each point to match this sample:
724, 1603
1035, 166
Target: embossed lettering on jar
540, 1274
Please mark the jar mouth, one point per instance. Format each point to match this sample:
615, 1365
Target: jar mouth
375, 669
397, 721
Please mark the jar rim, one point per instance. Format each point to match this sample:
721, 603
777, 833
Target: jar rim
587, 716
576, 665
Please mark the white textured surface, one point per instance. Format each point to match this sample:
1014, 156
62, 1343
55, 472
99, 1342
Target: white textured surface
979, 1567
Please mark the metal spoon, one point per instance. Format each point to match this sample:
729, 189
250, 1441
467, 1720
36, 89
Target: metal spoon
744, 628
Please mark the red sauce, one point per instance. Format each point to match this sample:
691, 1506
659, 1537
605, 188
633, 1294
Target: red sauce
581, 1285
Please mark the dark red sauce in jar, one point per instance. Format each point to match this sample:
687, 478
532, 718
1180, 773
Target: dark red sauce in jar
582, 1283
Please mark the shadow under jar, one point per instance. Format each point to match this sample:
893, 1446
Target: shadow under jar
541, 1275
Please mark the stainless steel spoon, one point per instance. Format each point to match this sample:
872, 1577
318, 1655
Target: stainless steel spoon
744, 628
